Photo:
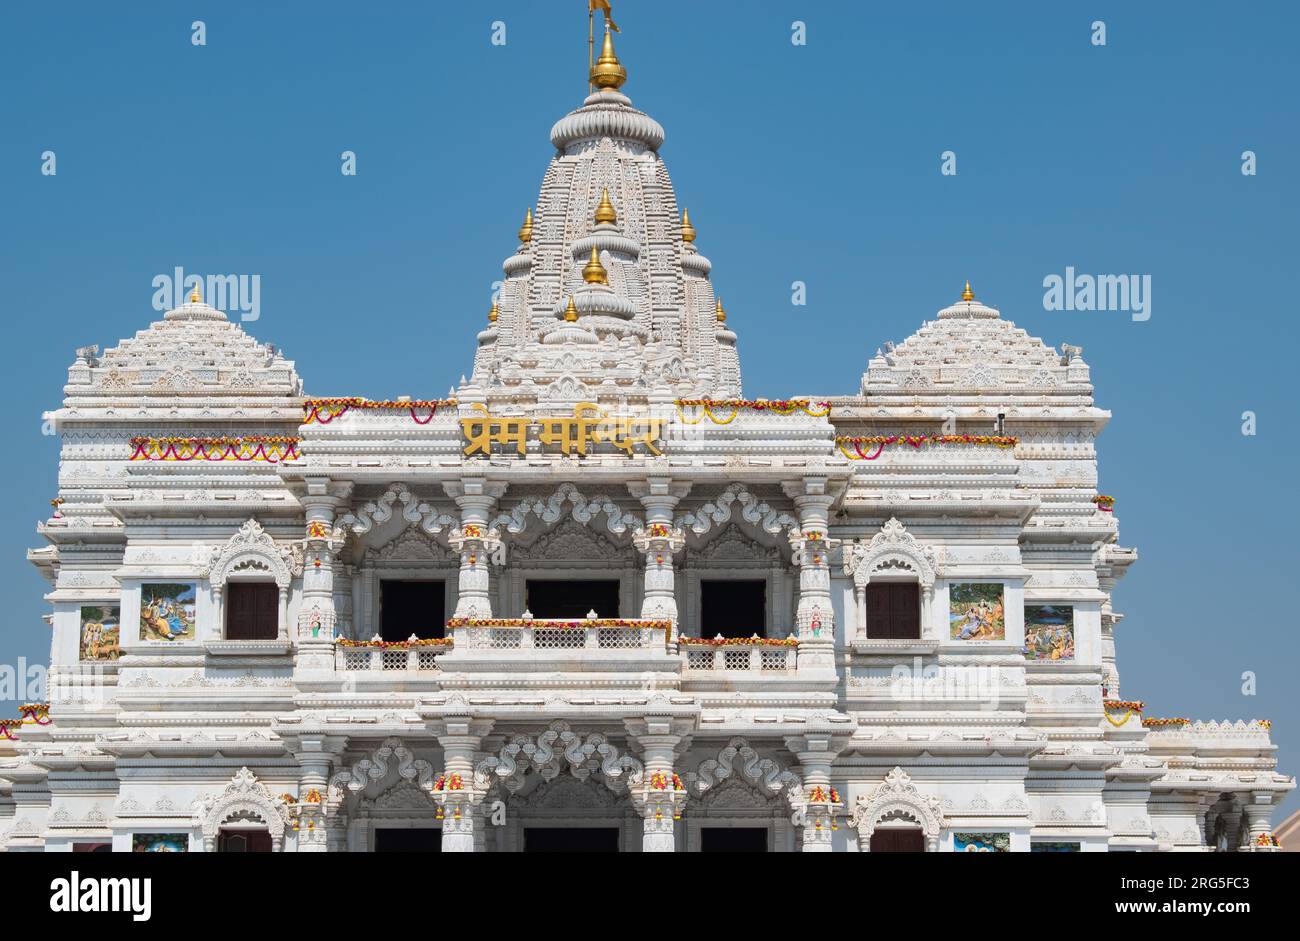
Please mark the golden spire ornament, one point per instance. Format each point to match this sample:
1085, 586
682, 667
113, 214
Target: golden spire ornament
605, 211
720, 313
571, 312
526, 230
196, 297
968, 294
494, 313
594, 272
688, 230
608, 74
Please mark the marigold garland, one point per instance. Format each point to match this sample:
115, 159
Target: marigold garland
1267, 839
324, 411
570, 625
1130, 706
269, 448
35, 712
820, 795
776, 406
661, 781
1176, 721
1104, 503
395, 644
916, 441
449, 782
6, 725
738, 641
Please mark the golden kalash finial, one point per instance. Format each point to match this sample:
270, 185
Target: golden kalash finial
608, 73
494, 313
968, 294
688, 230
721, 314
594, 272
196, 296
571, 312
526, 230
605, 211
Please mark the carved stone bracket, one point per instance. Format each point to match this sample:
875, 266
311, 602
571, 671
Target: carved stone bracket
738, 761
752, 510
429, 518
557, 749
376, 767
551, 509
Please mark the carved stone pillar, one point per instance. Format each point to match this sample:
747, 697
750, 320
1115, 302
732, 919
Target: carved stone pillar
660, 796
458, 796
816, 755
316, 615
1258, 809
659, 542
475, 543
316, 755
815, 616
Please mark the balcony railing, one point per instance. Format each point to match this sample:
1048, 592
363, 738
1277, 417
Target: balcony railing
755, 654
377, 655
545, 634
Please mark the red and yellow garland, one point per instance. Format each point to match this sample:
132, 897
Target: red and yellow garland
776, 406
324, 411
1267, 839
6, 725
272, 449
449, 782
568, 625
395, 644
1174, 722
1130, 706
880, 442
738, 641
35, 712
1104, 503
661, 781
821, 795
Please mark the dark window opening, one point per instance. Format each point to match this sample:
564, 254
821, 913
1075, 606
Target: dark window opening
408, 840
407, 608
733, 608
893, 611
92, 847
571, 840
243, 841
570, 599
733, 840
898, 840
252, 611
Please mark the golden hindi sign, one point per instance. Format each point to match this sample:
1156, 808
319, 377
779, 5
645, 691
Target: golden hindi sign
589, 424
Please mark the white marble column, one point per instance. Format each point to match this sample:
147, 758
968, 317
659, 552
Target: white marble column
659, 542
476, 543
461, 740
316, 615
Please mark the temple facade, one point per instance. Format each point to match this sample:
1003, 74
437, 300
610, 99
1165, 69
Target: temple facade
597, 599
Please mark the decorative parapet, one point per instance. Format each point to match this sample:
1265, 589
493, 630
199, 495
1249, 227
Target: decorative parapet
860, 445
270, 449
546, 634
377, 655
755, 654
324, 411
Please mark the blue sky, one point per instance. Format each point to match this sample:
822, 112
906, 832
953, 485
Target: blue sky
817, 163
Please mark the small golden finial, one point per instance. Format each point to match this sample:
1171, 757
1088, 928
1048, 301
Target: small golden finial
688, 230
608, 73
594, 272
571, 312
968, 294
605, 211
526, 230
494, 313
196, 295
721, 314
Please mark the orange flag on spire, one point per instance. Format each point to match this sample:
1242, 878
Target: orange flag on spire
603, 6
